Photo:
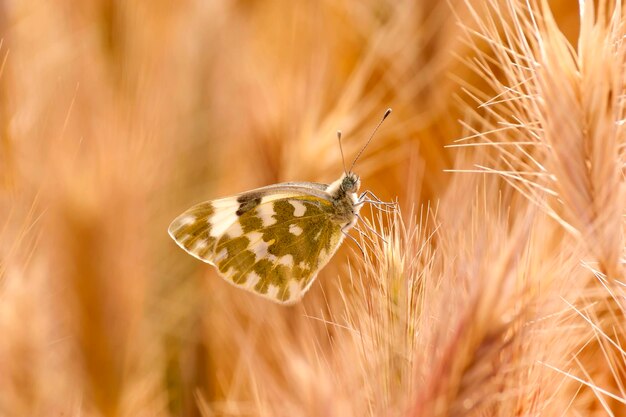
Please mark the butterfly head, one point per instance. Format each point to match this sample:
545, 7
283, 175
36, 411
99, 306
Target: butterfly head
350, 183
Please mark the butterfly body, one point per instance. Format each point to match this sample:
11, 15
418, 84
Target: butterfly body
272, 240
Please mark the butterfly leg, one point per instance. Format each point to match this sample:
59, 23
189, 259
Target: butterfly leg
374, 200
380, 206
344, 230
371, 229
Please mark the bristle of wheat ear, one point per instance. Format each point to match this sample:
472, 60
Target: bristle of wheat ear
555, 123
554, 133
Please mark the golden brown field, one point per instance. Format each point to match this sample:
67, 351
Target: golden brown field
498, 289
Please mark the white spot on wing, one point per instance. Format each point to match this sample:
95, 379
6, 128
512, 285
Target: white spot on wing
273, 196
198, 246
224, 203
272, 291
252, 280
235, 229
221, 256
258, 246
294, 229
299, 208
266, 214
225, 216
294, 290
254, 237
286, 260
181, 222
220, 222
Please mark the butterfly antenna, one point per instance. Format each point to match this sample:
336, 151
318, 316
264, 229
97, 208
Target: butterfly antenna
341, 150
387, 113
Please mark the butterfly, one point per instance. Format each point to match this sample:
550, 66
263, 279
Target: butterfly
274, 240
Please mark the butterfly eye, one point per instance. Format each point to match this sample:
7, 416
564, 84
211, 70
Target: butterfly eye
350, 183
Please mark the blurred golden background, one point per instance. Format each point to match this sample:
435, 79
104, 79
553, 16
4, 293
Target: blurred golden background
115, 116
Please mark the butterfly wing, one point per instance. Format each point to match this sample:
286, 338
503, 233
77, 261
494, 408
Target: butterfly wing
271, 241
